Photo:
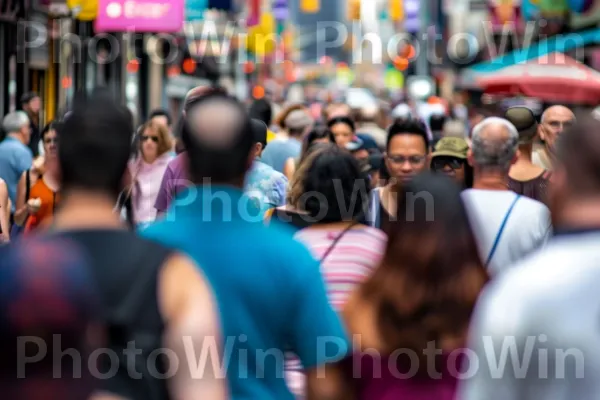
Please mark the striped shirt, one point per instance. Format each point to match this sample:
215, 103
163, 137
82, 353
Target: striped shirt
350, 262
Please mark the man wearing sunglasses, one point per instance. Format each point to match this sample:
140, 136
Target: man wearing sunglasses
553, 122
450, 158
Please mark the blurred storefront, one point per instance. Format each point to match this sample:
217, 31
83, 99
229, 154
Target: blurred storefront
14, 75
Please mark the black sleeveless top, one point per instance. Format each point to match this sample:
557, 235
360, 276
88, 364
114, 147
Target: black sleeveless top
126, 269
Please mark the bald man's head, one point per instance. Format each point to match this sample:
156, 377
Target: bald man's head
197, 93
218, 138
494, 144
554, 121
557, 111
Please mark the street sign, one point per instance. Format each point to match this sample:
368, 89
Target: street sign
194, 9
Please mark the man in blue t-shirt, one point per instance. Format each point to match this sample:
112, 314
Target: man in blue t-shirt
269, 289
15, 156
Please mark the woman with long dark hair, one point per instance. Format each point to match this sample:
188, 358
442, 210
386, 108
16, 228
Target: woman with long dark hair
334, 198
420, 297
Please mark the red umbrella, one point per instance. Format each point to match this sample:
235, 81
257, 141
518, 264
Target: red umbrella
554, 77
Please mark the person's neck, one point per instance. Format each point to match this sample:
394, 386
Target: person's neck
524, 154
80, 209
580, 213
149, 159
490, 181
17, 136
335, 225
49, 177
234, 184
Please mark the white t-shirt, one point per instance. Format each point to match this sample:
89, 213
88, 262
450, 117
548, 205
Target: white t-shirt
545, 311
527, 228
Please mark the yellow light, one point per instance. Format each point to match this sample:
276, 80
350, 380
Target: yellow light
310, 6
396, 10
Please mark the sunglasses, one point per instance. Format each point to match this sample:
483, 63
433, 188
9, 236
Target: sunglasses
440, 163
412, 160
153, 138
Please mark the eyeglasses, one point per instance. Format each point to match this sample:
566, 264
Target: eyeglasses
439, 163
412, 160
153, 138
51, 140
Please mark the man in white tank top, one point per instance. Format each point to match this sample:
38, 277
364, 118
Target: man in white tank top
507, 226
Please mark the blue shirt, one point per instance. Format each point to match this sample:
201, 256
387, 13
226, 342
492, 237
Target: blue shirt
15, 158
278, 151
269, 290
266, 186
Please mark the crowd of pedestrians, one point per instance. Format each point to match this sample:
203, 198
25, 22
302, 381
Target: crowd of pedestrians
241, 254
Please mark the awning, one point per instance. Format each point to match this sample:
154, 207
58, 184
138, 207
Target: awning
559, 43
546, 79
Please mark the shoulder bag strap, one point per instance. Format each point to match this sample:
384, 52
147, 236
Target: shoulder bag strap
27, 184
375, 217
501, 230
336, 241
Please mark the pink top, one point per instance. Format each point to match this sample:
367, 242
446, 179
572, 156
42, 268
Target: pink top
351, 262
148, 178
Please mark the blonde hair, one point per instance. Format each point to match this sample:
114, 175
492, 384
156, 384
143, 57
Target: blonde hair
165, 141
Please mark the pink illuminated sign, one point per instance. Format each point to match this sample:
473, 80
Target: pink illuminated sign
140, 16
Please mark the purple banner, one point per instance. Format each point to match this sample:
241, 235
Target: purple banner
412, 21
281, 10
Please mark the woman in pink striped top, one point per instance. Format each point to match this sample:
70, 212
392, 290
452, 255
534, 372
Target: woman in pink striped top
333, 195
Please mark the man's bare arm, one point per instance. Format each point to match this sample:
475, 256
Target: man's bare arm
190, 311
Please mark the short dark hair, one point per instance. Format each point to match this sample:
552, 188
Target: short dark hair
436, 122
50, 126
27, 97
334, 173
95, 144
342, 120
259, 129
408, 127
318, 132
222, 165
261, 109
161, 113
